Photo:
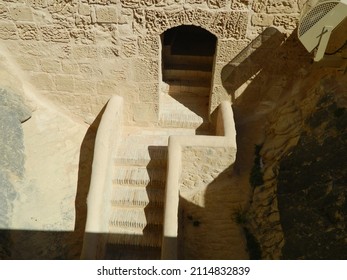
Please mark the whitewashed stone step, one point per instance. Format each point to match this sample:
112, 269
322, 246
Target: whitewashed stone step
151, 236
174, 114
185, 59
135, 217
175, 119
130, 153
139, 176
197, 90
187, 75
137, 196
189, 66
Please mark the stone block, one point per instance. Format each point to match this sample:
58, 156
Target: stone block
156, 21
85, 86
145, 112
262, 19
106, 87
100, 2
145, 70
90, 70
240, 4
288, 22
217, 78
82, 51
216, 4
130, 3
149, 45
27, 63
69, 67
28, 31
64, 83
42, 81
230, 24
106, 15
219, 93
109, 51
8, 30
149, 92
83, 36
21, 13
129, 47
282, 7
37, 3
50, 65
84, 9
4, 12
54, 33
227, 50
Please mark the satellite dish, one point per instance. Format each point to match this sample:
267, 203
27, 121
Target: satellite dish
317, 23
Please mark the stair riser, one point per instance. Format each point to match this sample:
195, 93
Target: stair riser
137, 153
152, 239
137, 198
144, 183
140, 177
141, 162
185, 59
186, 75
136, 218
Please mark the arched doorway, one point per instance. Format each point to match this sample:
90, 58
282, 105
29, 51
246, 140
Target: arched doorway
187, 64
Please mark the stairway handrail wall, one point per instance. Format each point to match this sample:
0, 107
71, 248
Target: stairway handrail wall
225, 137
106, 141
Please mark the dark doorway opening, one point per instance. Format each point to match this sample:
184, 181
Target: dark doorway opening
187, 66
190, 40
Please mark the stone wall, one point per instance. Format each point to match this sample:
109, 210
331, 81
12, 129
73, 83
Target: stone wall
80, 52
14, 110
312, 182
303, 136
208, 201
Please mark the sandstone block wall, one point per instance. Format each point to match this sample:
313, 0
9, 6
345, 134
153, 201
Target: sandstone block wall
80, 52
208, 201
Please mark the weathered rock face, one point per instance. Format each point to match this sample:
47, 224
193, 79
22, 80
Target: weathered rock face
13, 111
312, 187
298, 210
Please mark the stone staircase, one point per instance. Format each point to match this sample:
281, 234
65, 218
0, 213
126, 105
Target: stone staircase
185, 99
136, 215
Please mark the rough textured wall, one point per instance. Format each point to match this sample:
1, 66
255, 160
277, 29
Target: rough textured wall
312, 181
208, 200
298, 211
13, 111
42, 166
80, 52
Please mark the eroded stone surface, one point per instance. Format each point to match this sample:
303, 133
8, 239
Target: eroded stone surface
13, 111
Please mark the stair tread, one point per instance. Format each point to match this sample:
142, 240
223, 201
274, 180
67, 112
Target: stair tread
189, 67
135, 217
188, 82
168, 56
139, 175
186, 74
150, 239
131, 152
135, 196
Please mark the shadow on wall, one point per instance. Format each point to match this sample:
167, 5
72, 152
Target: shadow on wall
207, 229
27, 244
258, 79
269, 62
